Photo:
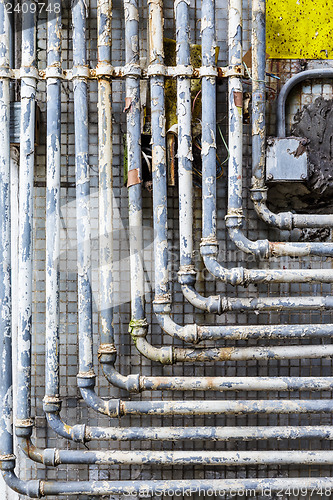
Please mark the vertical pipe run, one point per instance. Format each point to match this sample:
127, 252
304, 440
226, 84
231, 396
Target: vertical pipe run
235, 90
208, 153
258, 93
133, 121
53, 144
27, 134
184, 133
104, 12
82, 189
159, 170
6, 431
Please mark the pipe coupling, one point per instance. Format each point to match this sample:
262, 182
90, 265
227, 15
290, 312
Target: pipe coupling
259, 194
23, 428
187, 275
215, 304
161, 307
234, 220
189, 333
209, 246
51, 457
107, 354
138, 327
51, 404
78, 433
86, 380
7, 462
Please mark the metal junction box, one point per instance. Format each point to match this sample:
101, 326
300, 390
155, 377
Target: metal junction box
287, 159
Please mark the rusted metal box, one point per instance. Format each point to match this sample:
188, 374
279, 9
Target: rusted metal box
287, 159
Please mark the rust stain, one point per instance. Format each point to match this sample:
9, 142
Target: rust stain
133, 177
238, 99
128, 104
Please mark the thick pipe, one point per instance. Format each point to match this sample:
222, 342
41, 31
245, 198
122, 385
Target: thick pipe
53, 203
6, 437
27, 147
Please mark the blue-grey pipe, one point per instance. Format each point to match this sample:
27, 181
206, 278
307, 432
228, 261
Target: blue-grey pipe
38, 489
53, 162
105, 217
26, 180
6, 428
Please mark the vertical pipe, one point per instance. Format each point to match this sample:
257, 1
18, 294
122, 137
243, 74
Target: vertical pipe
82, 188
6, 430
27, 134
104, 8
53, 144
133, 121
156, 57
184, 133
235, 90
208, 153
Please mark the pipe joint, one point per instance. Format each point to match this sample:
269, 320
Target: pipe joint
23, 428
161, 308
78, 433
184, 71
187, 275
209, 247
51, 457
7, 462
107, 354
238, 276
138, 327
234, 221
215, 304
189, 333
54, 72
86, 380
5, 72
133, 383
51, 405
114, 408
259, 194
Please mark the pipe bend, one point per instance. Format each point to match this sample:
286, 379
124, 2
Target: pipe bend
187, 333
31, 488
163, 355
212, 304
129, 383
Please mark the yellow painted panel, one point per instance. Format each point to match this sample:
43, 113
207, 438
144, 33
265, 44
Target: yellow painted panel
300, 29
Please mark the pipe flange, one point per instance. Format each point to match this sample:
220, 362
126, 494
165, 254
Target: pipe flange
29, 72
54, 72
138, 327
208, 71
132, 70
104, 69
80, 72
7, 462
156, 70
209, 246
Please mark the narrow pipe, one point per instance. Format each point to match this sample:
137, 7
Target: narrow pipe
38, 488
27, 146
104, 12
6, 417
54, 457
53, 203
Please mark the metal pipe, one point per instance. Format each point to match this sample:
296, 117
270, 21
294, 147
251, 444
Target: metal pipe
6, 417
52, 386
27, 146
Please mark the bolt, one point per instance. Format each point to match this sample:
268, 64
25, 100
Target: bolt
270, 177
303, 176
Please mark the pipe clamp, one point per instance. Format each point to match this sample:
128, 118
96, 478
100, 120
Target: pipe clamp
156, 70
208, 71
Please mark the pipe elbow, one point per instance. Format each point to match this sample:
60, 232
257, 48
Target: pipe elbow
31, 488
163, 355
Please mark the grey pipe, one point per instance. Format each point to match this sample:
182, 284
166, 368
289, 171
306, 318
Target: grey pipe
26, 181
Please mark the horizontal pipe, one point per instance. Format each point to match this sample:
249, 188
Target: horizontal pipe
54, 457
38, 488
